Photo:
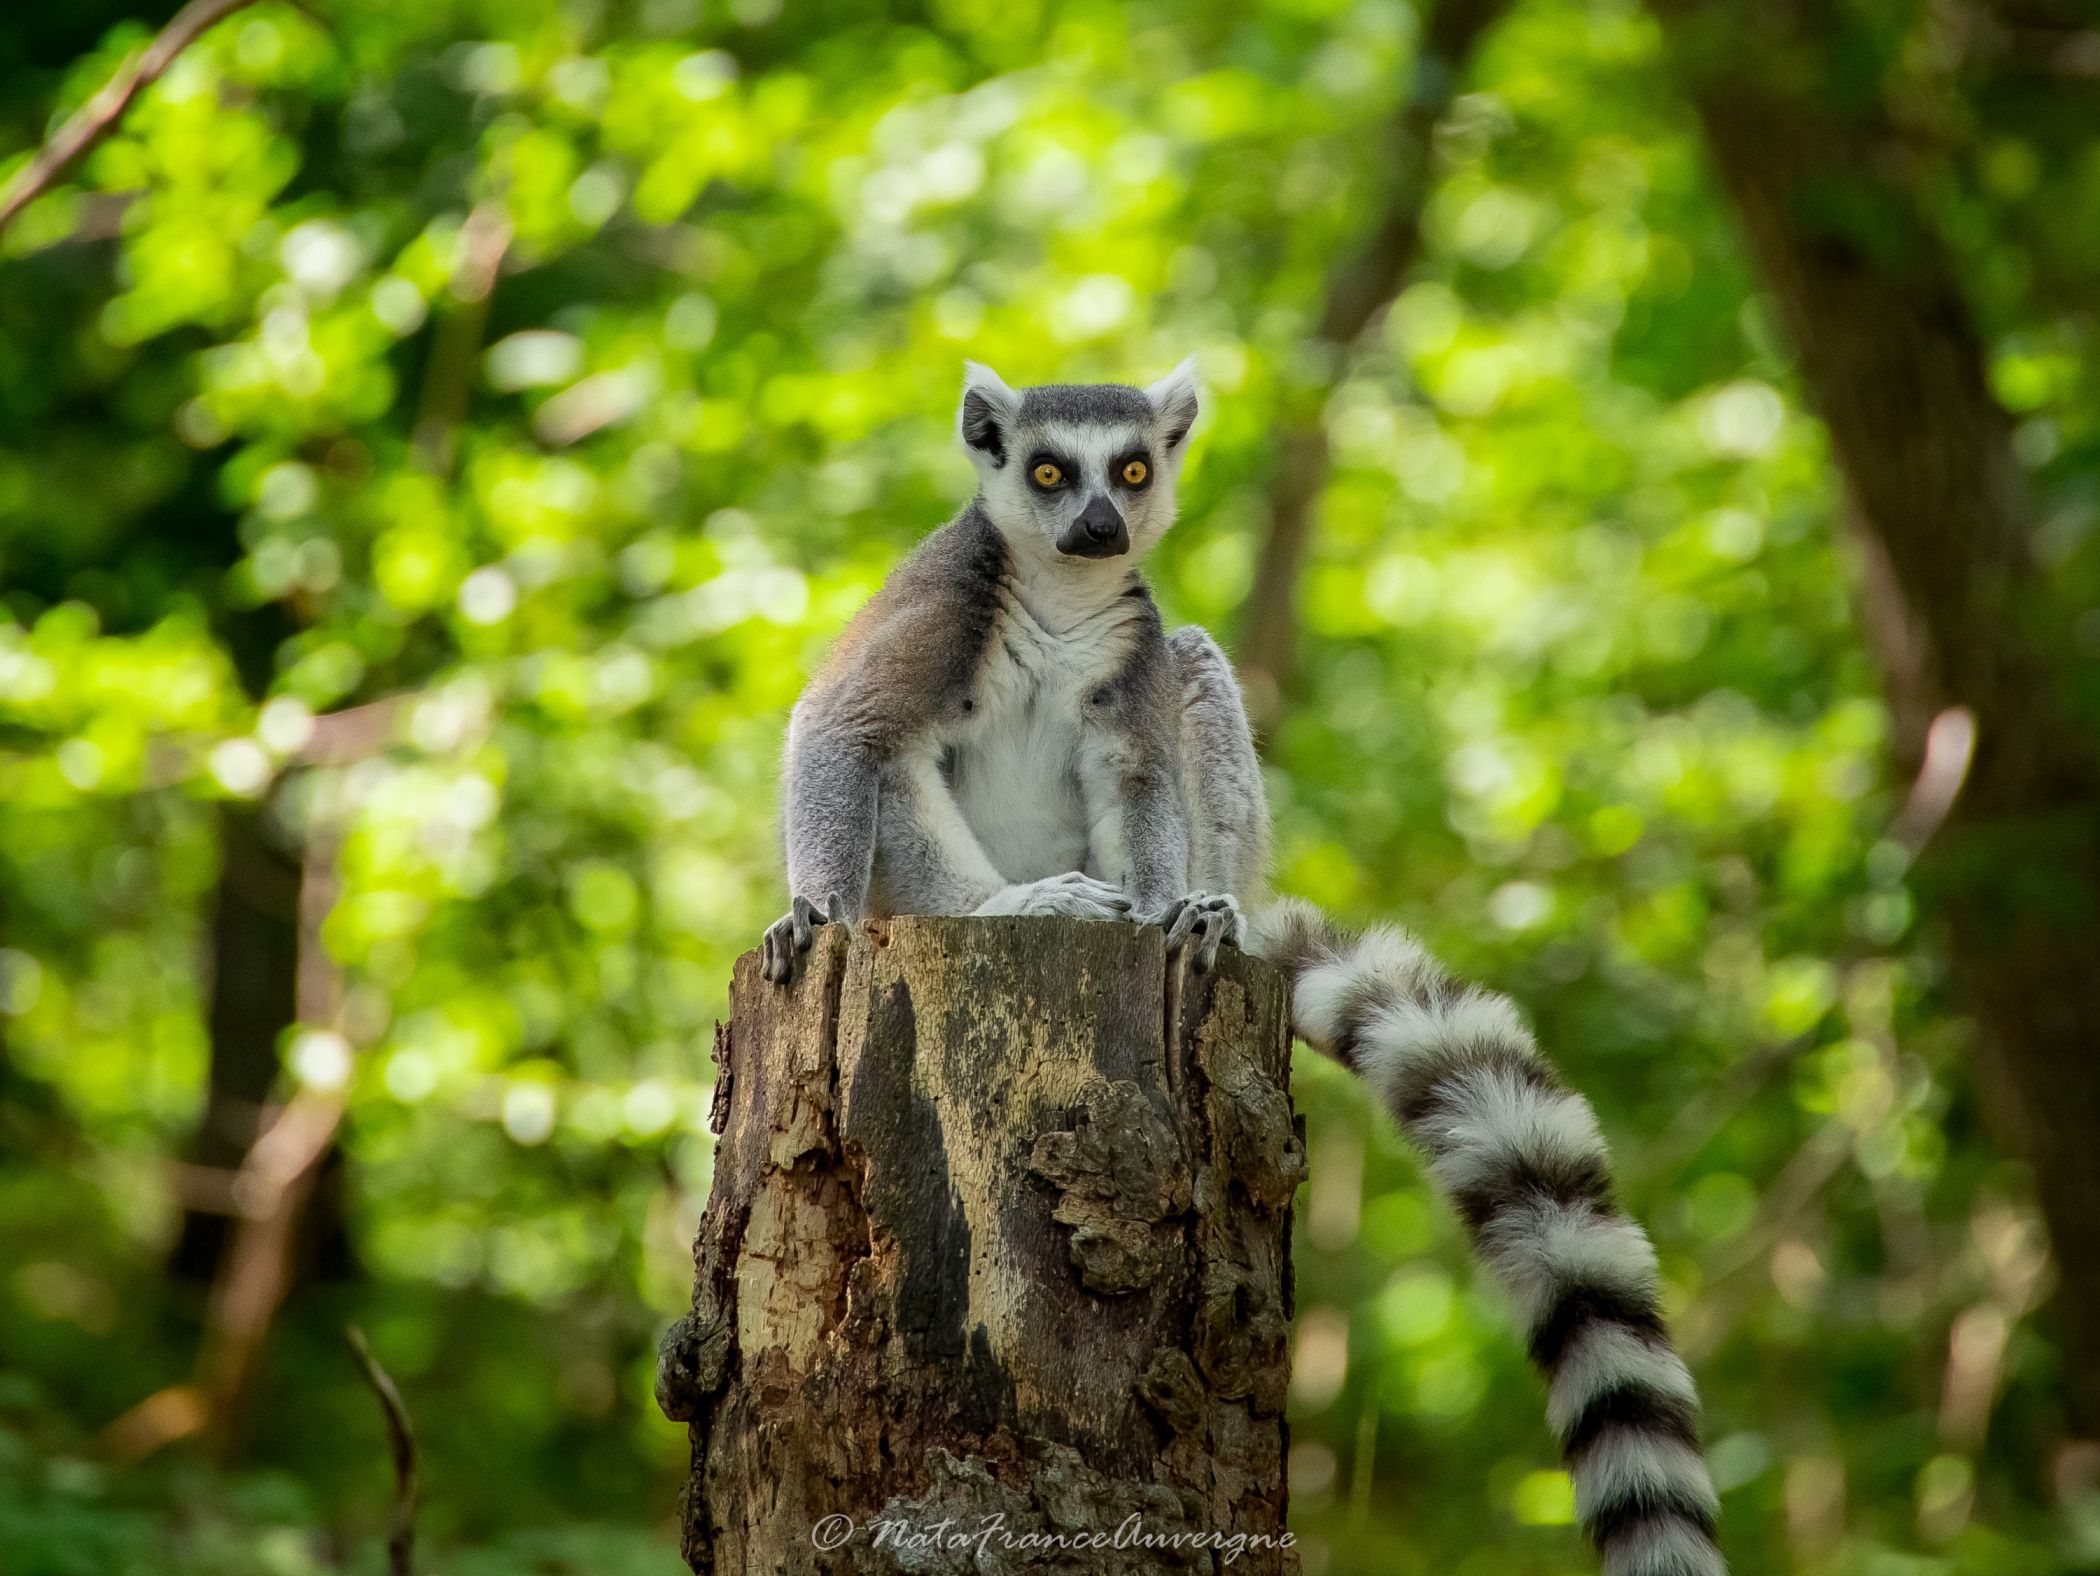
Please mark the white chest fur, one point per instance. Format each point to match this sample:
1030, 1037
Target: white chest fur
1015, 765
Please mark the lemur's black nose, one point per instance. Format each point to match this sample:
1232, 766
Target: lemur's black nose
1099, 532
1099, 519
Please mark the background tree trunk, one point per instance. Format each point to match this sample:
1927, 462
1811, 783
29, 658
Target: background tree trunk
262, 946
1953, 600
254, 991
999, 1227
1359, 290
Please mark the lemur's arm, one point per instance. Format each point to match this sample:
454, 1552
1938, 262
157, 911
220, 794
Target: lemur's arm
873, 708
831, 805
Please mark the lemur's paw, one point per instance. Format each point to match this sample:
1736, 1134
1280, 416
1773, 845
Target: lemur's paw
1202, 922
1073, 895
791, 935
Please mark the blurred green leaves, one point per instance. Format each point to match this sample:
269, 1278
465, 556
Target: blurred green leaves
542, 383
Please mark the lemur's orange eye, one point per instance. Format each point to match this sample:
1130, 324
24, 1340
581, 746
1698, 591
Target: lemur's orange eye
1048, 475
1134, 473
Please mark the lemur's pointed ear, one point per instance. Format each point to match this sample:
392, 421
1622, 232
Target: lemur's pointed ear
988, 411
1173, 400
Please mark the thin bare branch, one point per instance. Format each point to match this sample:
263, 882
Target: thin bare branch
176, 1412
95, 119
270, 1195
356, 733
1950, 749
401, 1534
448, 380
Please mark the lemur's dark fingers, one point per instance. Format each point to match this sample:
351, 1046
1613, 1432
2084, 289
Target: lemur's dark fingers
1184, 925
835, 908
1214, 936
786, 939
806, 919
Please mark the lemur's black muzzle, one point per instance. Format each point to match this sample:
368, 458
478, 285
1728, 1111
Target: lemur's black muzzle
1099, 532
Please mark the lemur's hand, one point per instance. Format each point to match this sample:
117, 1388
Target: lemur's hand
791, 935
1202, 922
1073, 895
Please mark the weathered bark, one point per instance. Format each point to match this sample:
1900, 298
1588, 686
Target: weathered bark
999, 1228
1358, 291
1954, 602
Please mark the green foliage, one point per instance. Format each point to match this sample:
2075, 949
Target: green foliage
1581, 699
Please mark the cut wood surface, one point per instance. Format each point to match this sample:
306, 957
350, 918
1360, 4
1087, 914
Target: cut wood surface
998, 1238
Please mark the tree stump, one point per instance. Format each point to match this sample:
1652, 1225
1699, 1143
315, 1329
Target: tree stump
995, 1272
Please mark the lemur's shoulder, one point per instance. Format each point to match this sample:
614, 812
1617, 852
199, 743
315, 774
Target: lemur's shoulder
914, 648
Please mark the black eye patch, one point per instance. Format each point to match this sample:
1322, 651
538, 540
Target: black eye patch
1133, 471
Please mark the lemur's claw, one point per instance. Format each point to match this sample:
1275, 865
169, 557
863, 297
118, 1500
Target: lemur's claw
1201, 922
791, 935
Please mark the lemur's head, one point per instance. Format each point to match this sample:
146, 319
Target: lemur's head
1074, 471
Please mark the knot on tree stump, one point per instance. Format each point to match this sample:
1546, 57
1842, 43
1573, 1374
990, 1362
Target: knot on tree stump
1120, 1173
999, 1231
691, 1362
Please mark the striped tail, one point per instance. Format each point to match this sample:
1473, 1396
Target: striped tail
1521, 1158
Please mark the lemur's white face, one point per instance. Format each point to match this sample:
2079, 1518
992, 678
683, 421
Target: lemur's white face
1078, 472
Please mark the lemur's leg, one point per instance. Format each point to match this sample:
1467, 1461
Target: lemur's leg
1228, 806
1228, 811
930, 862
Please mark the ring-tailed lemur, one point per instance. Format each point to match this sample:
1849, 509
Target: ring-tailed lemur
1007, 729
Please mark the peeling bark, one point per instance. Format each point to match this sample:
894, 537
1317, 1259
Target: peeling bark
999, 1229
